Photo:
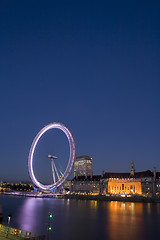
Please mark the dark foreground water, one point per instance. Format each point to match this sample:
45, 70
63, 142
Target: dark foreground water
84, 220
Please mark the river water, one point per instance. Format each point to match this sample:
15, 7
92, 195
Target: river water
84, 219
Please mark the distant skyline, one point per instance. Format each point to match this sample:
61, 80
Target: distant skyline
93, 65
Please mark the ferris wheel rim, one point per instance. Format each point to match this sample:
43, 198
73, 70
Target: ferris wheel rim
67, 171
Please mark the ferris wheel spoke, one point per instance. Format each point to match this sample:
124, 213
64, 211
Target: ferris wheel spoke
61, 169
61, 172
56, 171
53, 172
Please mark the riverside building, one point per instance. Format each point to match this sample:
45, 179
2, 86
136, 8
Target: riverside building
134, 183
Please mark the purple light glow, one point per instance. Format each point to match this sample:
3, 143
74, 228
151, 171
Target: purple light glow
71, 141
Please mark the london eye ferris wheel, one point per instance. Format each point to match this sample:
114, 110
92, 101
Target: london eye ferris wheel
58, 179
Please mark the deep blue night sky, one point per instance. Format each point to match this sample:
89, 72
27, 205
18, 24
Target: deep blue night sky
93, 65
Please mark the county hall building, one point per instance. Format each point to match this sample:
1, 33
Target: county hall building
139, 183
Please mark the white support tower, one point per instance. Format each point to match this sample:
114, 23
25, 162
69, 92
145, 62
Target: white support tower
54, 169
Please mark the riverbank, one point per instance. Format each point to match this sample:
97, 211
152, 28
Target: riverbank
33, 195
121, 198
7, 232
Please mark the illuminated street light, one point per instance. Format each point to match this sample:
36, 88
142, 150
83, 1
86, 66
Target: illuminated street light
9, 219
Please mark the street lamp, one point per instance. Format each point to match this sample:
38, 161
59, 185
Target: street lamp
9, 219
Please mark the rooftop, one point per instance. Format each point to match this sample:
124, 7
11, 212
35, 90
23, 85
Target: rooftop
84, 157
147, 173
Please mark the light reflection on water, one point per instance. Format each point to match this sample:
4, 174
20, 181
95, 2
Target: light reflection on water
125, 219
81, 219
28, 212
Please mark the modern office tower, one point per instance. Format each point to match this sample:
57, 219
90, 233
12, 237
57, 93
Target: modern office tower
83, 166
132, 172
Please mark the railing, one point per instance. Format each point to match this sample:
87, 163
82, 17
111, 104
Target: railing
13, 233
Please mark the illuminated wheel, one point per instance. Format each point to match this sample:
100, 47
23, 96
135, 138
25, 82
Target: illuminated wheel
60, 179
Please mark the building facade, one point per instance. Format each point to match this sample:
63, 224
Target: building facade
83, 166
90, 184
145, 183
124, 186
